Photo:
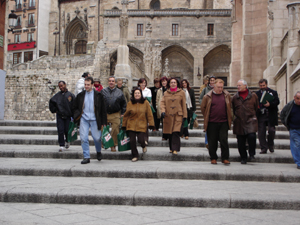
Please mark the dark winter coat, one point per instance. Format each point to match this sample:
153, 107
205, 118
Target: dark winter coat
244, 110
272, 109
115, 100
99, 107
285, 113
62, 103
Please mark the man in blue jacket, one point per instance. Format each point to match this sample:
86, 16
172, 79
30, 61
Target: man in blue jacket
290, 117
61, 104
90, 110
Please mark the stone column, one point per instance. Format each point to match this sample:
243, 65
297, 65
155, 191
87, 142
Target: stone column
123, 69
293, 45
2, 93
148, 55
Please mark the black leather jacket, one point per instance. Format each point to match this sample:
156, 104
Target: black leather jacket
61, 103
115, 100
99, 107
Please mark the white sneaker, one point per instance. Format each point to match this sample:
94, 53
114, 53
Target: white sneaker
67, 145
61, 149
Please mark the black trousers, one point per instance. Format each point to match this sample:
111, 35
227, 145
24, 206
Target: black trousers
141, 139
262, 124
156, 121
218, 132
186, 129
62, 125
241, 139
174, 141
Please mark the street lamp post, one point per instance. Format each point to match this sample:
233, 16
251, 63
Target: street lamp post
12, 20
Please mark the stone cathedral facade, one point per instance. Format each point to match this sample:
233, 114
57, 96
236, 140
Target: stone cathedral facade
178, 38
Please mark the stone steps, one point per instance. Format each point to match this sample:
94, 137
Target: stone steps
150, 192
185, 170
153, 141
33, 171
53, 131
153, 154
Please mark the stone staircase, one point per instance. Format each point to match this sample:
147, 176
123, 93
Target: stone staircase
231, 90
33, 171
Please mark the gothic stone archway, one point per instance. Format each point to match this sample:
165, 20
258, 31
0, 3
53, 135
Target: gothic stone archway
217, 62
76, 32
181, 62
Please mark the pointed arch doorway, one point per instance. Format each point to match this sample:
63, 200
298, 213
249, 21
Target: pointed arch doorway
76, 37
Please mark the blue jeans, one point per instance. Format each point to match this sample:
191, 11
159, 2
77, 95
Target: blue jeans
295, 145
84, 136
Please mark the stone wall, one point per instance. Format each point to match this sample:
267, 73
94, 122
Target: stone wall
27, 89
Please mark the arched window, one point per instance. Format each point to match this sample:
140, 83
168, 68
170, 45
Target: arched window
155, 4
80, 47
115, 8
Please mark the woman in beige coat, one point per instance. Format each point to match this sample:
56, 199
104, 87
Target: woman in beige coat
174, 113
136, 119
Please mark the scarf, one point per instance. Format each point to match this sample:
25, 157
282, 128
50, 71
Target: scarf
244, 94
188, 98
173, 89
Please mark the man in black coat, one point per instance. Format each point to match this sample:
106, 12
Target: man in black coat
267, 115
90, 110
61, 104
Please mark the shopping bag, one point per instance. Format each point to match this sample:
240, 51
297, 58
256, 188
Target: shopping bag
107, 139
123, 141
72, 132
193, 120
185, 124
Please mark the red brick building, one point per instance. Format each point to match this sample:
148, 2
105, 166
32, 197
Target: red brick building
2, 31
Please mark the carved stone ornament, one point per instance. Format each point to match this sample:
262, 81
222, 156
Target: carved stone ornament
271, 14
68, 17
77, 11
85, 16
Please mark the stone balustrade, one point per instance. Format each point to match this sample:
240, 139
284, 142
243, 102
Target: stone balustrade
171, 12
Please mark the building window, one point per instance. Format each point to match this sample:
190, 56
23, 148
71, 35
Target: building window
140, 30
19, 22
17, 57
30, 37
17, 38
28, 56
31, 4
174, 29
80, 47
18, 5
210, 29
31, 19
155, 4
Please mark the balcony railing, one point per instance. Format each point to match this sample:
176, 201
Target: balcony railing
171, 12
31, 5
18, 7
29, 23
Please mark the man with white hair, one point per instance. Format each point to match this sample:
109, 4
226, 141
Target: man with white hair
244, 105
290, 118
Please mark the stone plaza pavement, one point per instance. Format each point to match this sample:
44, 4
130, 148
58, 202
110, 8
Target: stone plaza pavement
39, 185
52, 214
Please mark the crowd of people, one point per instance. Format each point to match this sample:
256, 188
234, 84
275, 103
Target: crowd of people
172, 103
